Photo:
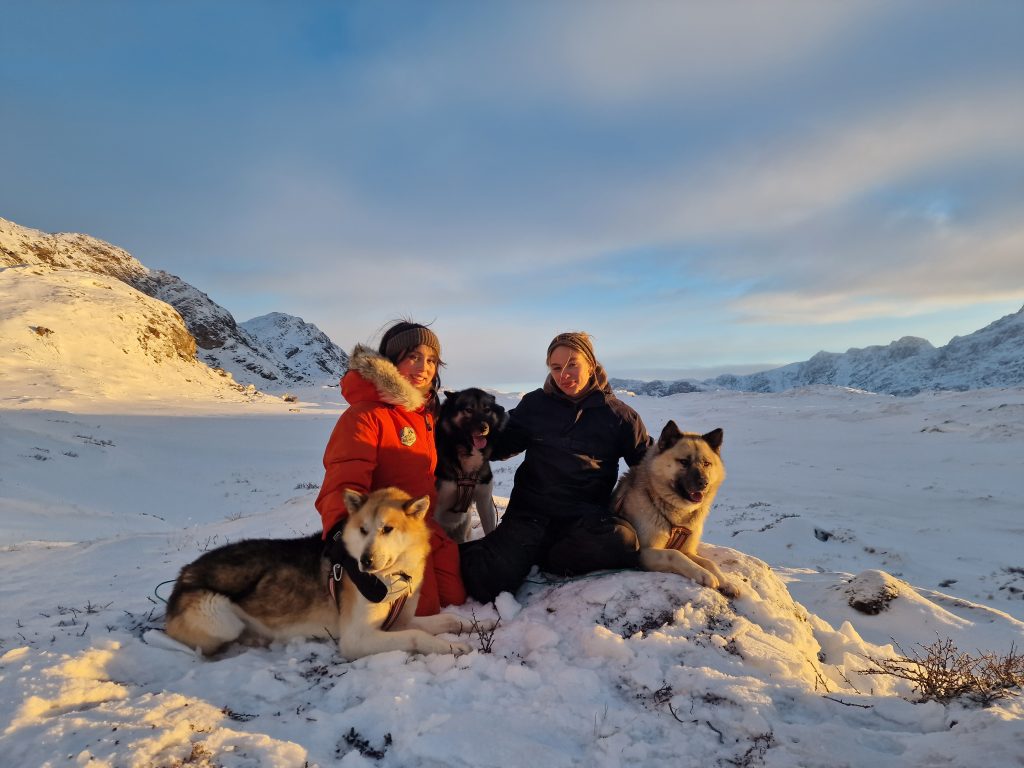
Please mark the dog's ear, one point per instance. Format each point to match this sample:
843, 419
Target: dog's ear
669, 436
417, 508
714, 439
448, 394
354, 500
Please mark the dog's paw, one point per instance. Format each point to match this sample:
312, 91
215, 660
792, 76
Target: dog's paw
460, 648
730, 590
707, 579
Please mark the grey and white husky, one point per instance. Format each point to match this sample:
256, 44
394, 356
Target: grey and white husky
277, 589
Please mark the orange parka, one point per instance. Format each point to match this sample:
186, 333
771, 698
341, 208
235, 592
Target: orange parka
386, 438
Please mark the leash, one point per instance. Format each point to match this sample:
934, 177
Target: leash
156, 589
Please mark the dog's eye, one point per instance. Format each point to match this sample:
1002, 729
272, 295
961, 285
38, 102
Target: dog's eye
705, 463
387, 529
363, 531
684, 462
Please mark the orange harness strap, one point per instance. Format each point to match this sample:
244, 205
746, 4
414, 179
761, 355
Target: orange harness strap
677, 537
393, 611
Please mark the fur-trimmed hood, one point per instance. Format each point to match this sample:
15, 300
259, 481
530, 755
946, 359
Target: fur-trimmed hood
371, 376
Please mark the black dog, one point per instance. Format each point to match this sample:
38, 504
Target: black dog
468, 422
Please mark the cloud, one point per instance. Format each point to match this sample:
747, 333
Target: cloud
618, 55
517, 169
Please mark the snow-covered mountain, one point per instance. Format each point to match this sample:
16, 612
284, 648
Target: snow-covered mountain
274, 353
300, 348
990, 357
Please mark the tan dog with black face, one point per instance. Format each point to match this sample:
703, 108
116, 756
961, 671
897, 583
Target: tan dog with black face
259, 590
667, 497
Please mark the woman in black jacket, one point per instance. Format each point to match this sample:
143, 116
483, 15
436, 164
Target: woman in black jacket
574, 431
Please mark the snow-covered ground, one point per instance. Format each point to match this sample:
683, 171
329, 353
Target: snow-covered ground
100, 503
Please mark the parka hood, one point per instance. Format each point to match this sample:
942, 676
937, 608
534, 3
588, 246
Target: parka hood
371, 376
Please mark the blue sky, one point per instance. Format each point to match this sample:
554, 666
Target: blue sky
700, 185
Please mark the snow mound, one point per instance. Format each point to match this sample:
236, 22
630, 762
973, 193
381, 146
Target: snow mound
618, 668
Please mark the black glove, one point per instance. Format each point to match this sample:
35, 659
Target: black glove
372, 588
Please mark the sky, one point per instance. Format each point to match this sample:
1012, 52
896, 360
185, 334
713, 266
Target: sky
703, 187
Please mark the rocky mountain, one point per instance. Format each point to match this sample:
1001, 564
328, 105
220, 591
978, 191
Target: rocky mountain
273, 355
990, 357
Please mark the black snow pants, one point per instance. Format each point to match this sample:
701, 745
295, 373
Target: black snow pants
500, 561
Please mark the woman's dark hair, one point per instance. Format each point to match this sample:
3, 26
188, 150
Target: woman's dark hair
403, 337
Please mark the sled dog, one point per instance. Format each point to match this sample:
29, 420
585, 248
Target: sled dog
468, 421
667, 497
277, 589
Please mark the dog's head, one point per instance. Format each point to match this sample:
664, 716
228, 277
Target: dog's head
384, 527
688, 465
470, 417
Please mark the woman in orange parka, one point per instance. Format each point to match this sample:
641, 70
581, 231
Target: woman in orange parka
386, 438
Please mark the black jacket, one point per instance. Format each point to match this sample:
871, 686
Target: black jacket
572, 452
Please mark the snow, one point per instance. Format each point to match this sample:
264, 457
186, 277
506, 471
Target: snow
832, 495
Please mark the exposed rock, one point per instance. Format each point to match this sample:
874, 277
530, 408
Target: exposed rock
871, 591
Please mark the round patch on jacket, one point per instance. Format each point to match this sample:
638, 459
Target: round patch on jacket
407, 436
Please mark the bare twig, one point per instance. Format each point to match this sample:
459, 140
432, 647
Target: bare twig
848, 703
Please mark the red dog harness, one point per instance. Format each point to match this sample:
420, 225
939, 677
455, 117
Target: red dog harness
677, 537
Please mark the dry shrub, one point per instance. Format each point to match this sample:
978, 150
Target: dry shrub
484, 636
942, 672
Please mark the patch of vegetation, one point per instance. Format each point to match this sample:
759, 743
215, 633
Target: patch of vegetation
356, 741
647, 624
942, 672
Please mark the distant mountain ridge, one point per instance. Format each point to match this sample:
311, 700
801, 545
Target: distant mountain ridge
274, 353
990, 357
277, 352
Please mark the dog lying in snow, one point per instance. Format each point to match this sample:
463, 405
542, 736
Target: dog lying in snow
275, 589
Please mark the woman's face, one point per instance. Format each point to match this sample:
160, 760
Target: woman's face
570, 370
419, 367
